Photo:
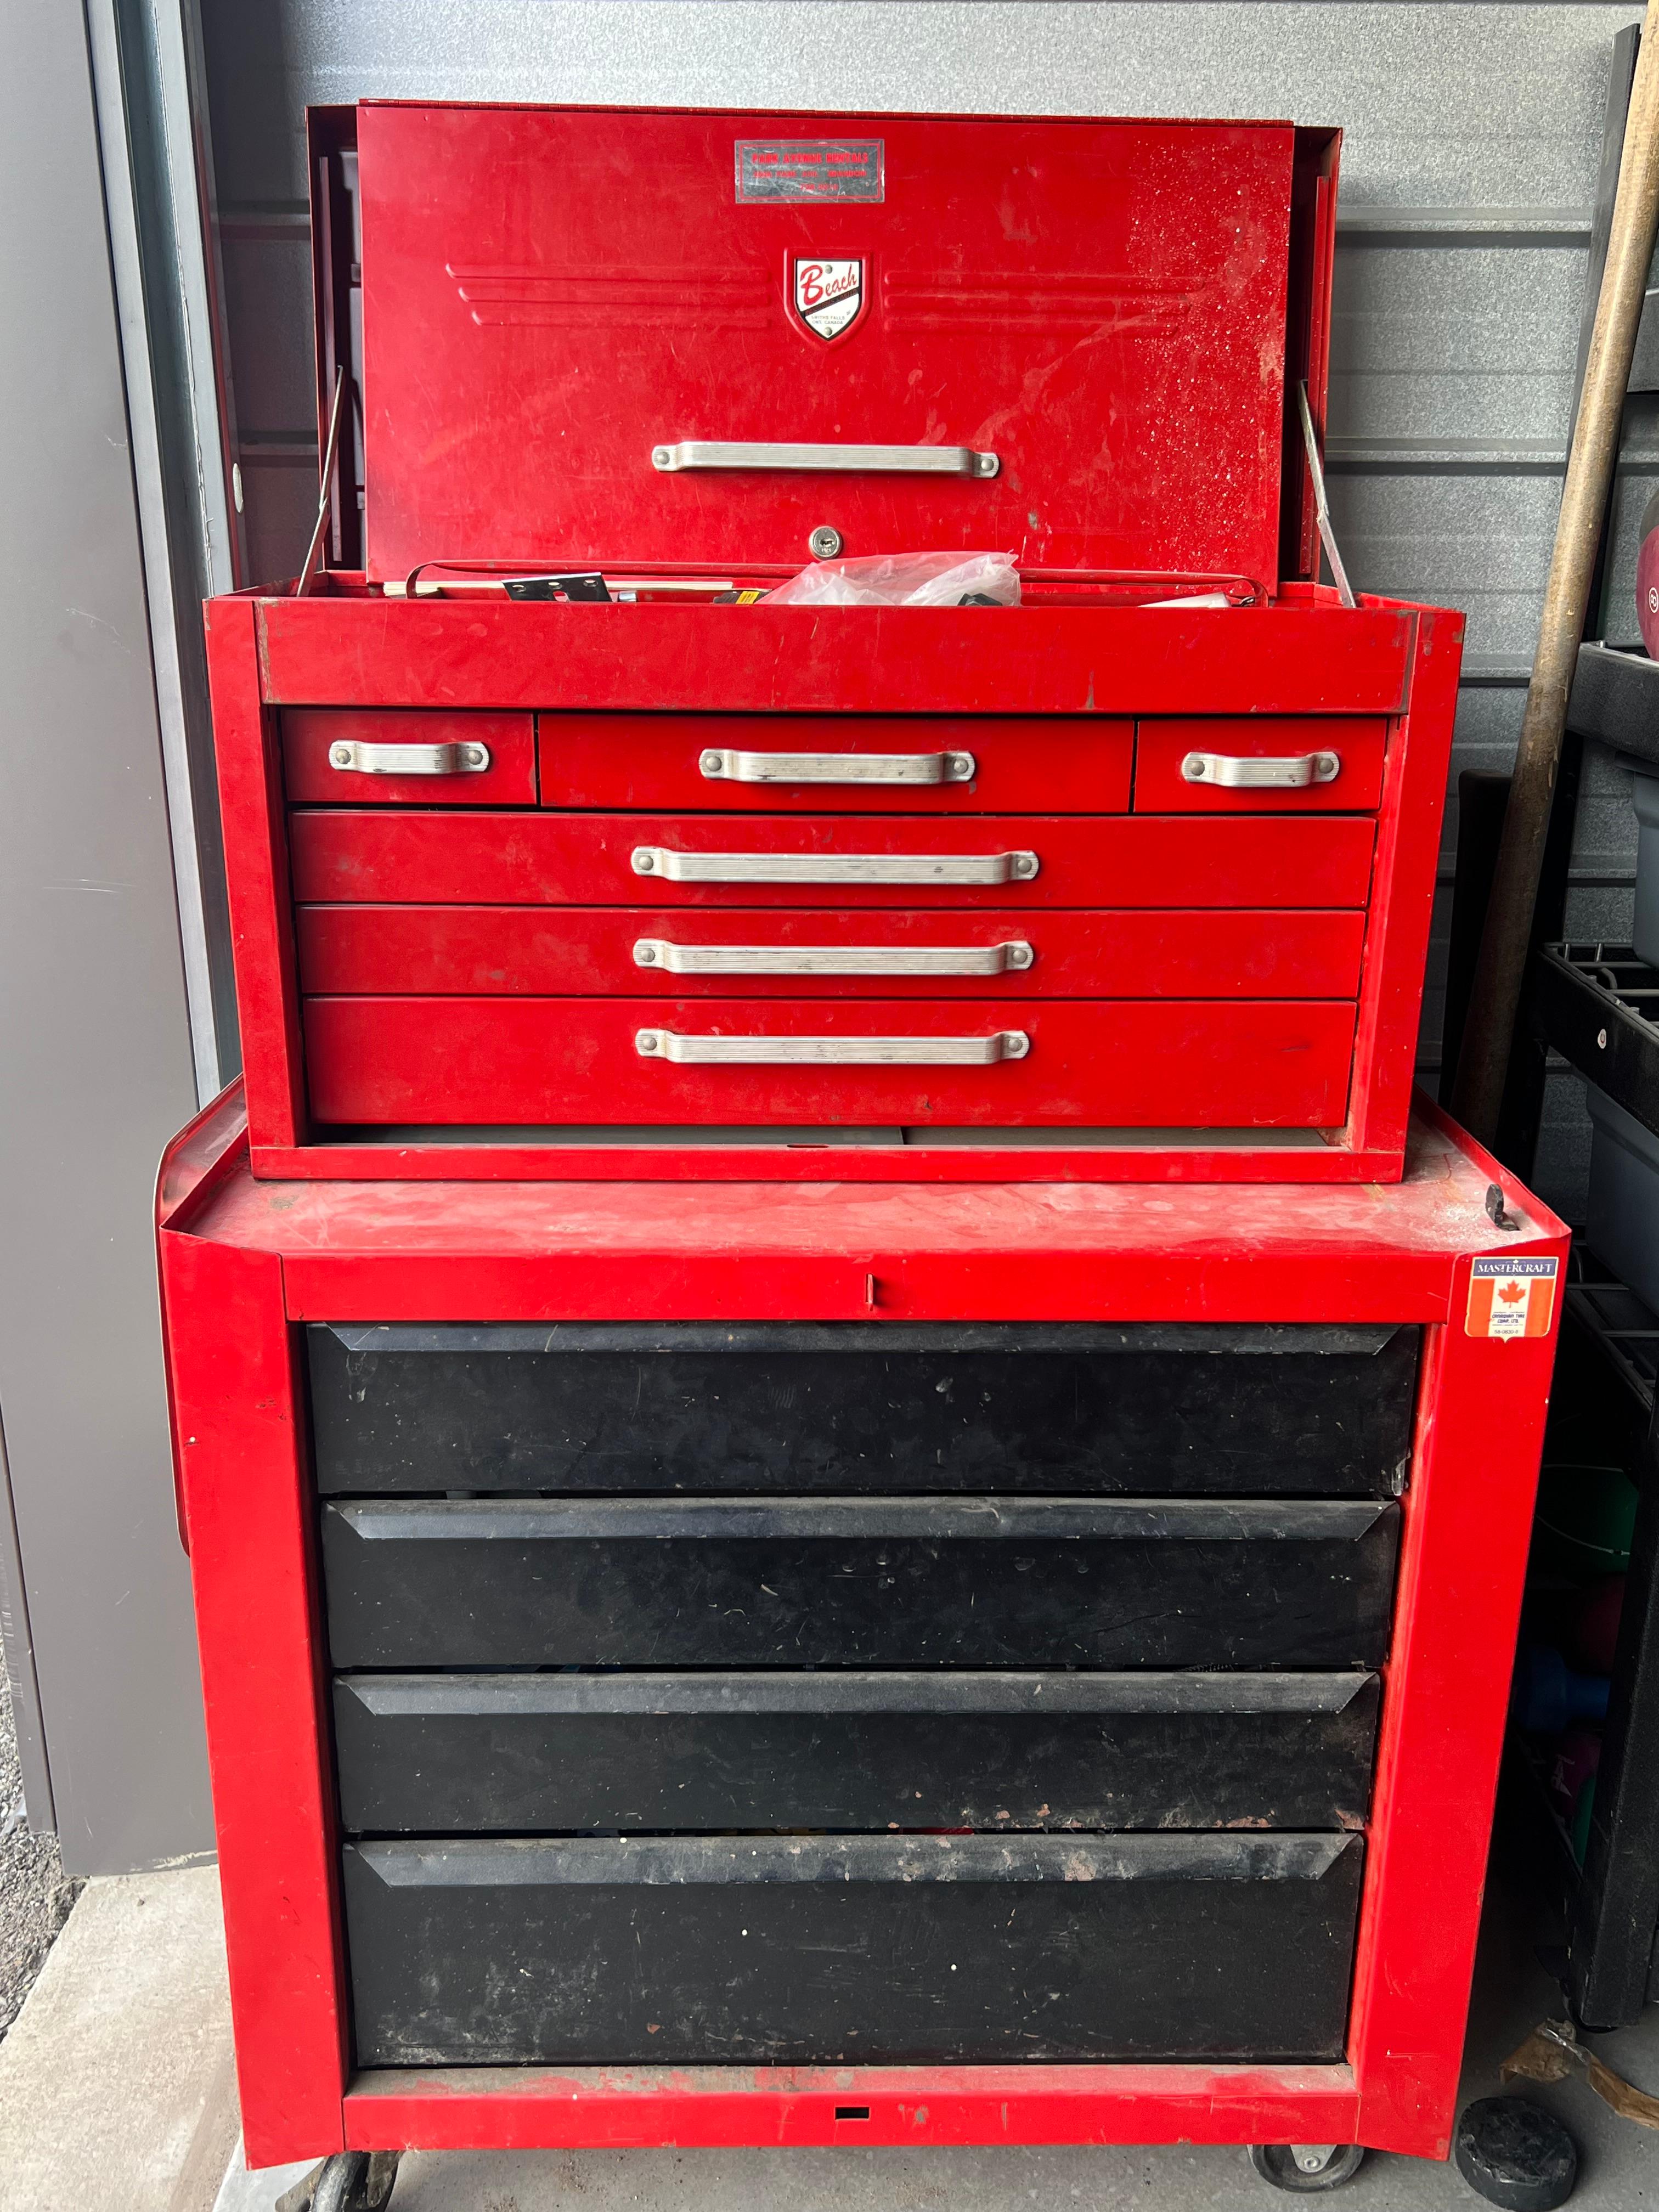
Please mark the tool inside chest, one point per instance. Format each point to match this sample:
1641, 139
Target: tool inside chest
791, 1694
1132, 878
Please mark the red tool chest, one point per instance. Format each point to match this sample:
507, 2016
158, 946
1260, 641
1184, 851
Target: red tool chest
932, 1664
1086, 887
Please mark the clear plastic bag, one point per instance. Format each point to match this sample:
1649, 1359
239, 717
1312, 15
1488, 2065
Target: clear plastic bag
902, 579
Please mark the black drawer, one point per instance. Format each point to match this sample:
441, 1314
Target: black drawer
897, 1581
513, 1754
849, 1406
793, 1950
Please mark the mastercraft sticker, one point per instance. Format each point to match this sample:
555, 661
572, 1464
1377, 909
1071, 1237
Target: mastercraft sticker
1512, 1296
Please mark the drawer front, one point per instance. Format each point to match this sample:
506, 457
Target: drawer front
872, 1949
1075, 1062
1260, 764
999, 1582
1251, 1410
960, 764
427, 857
816, 954
511, 1754
407, 759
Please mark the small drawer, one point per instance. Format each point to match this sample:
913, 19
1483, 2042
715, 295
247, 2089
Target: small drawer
605, 951
364, 756
435, 1754
1252, 1410
903, 764
789, 1950
868, 1061
1260, 764
425, 858
906, 1581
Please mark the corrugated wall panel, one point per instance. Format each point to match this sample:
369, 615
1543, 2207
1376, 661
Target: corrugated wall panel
1473, 135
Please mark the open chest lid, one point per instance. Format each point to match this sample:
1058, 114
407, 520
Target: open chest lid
590, 336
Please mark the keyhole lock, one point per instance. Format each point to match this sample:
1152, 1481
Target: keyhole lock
824, 543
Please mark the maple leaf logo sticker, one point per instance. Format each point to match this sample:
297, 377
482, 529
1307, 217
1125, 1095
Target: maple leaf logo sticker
1512, 1293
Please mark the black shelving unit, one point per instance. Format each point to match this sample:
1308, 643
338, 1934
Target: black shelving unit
1596, 1006
1604, 1410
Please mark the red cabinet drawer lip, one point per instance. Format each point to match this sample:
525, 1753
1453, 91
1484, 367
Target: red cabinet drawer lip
1050, 952
1088, 1062
1293, 658
549, 857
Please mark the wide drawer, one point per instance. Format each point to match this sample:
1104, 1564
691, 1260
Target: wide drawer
519, 1754
1260, 764
382, 756
910, 763
1178, 1063
792, 1950
908, 1581
427, 856
820, 953
848, 1407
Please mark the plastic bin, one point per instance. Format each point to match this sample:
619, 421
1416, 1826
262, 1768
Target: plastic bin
1644, 931
1622, 1224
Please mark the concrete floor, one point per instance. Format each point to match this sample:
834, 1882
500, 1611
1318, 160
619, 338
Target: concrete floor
116, 2086
117, 2095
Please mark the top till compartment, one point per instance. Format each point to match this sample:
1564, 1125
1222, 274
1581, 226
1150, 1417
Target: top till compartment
1083, 338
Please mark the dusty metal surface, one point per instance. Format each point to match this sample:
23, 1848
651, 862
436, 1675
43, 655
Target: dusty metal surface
1443, 1198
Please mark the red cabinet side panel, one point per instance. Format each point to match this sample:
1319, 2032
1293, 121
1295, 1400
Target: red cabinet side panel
240, 1443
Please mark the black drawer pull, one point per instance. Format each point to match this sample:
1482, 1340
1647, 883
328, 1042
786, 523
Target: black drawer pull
599, 1862
499, 1696
980, 1520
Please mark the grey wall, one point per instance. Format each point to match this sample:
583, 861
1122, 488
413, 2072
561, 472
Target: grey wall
95, 1062
1468, 173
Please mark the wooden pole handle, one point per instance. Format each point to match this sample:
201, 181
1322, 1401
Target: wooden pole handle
1488, 1036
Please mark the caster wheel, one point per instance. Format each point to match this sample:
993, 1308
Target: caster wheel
351, 2181
1303, 2168
1515, 2154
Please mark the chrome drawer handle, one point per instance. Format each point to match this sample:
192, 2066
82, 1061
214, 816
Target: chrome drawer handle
861, 460
833, 1051
834, 868
1234, 772
837, 768
354, 759
673, 959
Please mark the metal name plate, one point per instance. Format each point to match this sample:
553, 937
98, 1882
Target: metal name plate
773, 169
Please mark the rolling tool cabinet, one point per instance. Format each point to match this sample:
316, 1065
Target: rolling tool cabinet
1131, 880
798, 1664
